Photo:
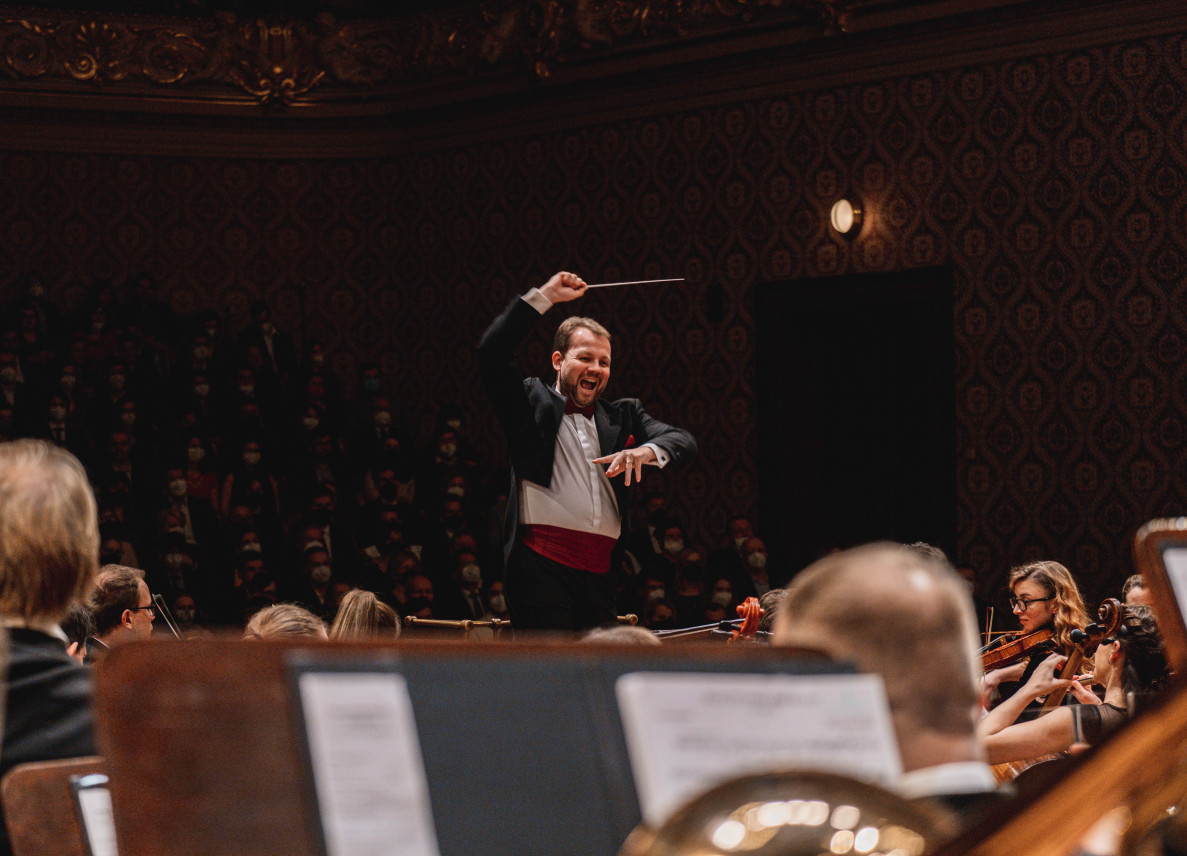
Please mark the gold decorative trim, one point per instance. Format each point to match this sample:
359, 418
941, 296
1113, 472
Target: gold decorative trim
284, 61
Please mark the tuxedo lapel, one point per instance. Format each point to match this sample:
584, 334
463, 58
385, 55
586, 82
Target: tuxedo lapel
608, 420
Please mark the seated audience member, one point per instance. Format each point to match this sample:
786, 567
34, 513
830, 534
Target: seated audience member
1135, 593
622, 635
1130, 662
284, 620
364, 616
49, 553
122, 607
890, 610
755, 582
78, 625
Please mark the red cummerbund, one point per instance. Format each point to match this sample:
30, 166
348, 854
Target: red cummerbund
584, 551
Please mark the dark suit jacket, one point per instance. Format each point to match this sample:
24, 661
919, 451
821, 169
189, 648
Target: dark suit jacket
531, 413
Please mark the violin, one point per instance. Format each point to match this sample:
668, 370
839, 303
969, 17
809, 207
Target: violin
1109, 618
1013, 651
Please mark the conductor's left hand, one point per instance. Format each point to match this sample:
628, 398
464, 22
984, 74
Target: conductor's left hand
628, 461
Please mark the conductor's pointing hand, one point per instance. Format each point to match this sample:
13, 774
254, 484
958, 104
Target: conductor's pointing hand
563, 287
628, 461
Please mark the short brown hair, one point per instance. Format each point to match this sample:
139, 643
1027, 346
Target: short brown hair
49, 530
362, 615
564, 333
117, 589
283, 620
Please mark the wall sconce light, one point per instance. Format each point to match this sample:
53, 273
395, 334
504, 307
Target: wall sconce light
846, 217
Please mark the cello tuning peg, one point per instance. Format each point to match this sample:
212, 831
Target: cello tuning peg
1078, 636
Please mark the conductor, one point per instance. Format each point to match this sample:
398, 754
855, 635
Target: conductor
573, 456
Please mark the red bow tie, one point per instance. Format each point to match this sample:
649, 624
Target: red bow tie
570, 407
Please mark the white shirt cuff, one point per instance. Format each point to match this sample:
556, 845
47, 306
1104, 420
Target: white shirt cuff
536, 299
661, 457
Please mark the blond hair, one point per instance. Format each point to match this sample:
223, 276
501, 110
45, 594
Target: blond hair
1057, 581
283, 620
362, 615
889, 608
49, 530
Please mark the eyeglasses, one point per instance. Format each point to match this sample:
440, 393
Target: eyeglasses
1018, 603
152, 612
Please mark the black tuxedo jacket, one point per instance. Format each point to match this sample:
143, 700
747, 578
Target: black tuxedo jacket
531, 413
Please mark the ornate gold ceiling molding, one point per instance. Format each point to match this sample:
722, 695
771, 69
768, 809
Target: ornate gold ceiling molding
289, 61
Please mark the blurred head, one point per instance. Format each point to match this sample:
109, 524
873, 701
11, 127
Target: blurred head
284, 620
49, 531
1135, 593
364, 616
887, 609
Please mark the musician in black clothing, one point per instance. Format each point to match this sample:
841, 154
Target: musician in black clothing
1045, 597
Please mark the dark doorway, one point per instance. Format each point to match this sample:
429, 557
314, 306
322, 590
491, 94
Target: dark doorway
857, 422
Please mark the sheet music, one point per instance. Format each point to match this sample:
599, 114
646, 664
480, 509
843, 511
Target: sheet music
687, 732
1175, 560
98, 822
367, 766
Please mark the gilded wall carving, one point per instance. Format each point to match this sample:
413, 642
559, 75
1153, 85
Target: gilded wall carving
282, 61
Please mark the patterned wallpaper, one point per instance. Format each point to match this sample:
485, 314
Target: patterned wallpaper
1054, 187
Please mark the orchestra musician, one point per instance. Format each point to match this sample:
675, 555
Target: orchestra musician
1044, 596
1130, 662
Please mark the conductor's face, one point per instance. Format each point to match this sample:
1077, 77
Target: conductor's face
584, 370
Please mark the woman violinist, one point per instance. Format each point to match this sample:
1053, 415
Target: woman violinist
1132, 661
1044, 597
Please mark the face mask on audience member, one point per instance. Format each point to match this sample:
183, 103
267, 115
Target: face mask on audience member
8, 375
67, 382
382, 419
371, 384
116, 382
447, 450
456, 490
247, 388
740, 540
201, 352
178, 561
57, 414
310, 423
195, 454
317, 358
201, 390
320, 574
472, 574
756, 561
251, 458
251, 547
723, 598
128, 417
672, 546
656, 594
498, 603
184, 614
178, 488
